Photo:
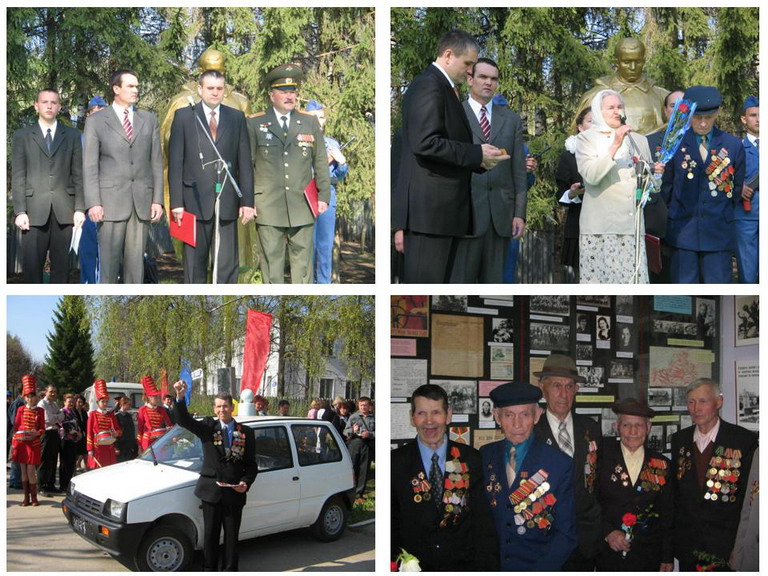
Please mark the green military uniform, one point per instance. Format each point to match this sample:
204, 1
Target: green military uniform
284, 163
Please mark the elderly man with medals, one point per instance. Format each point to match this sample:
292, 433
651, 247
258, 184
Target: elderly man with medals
634, 487
529, 486
103, 429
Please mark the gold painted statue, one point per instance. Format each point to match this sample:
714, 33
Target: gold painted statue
644, 101
210, 59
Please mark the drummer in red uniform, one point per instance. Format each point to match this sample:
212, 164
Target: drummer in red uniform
103, 430
25, 446
153, 420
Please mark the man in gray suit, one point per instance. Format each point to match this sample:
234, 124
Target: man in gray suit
499, 196
123, 179
47, 190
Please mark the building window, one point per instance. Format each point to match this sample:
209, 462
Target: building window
326, 388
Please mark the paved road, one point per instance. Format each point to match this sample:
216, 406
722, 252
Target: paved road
39, 540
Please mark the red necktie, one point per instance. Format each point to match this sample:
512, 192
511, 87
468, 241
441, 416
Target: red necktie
127, 125
484, 124
213, 125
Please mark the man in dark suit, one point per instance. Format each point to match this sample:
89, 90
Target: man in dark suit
712, 462
499, 197
529, 485
445, 523
579, 438
195, 177
229, 469
431, 206
700, 185
123, 179
47, 190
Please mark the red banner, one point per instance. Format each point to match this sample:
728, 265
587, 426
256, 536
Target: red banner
258, 327
163, 383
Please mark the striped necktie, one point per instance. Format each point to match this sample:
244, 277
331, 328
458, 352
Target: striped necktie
436, 480
127, 125
564, 439
485, 126
213, 125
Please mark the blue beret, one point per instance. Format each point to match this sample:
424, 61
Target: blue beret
499, 100
707, 98
97, 101
514, 394
751, 102
313, 105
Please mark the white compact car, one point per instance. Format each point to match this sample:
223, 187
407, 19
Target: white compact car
145, 511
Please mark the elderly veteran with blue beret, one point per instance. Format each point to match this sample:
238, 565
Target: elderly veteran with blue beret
529, 486
701, 185
634, 487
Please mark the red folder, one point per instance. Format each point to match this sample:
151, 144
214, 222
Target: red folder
653, 253
187, 230
310, 193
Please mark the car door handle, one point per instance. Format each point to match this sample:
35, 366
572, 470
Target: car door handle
295, 478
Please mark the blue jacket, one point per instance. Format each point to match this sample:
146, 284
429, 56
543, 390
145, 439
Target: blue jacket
338, 171
697, 220
535, 549
753, 166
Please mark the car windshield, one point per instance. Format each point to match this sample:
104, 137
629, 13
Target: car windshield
178, 447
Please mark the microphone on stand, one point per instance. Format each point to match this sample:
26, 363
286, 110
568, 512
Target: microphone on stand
638, 165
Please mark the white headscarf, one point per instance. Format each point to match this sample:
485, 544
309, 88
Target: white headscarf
599, 124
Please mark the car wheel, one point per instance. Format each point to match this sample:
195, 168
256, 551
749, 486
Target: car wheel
164, 549
331, 522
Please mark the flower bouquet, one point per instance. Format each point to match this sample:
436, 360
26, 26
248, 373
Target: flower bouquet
678, 125
406, 562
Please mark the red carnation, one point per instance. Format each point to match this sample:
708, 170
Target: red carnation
683, 107
629, 519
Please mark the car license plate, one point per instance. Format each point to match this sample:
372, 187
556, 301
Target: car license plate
79, 524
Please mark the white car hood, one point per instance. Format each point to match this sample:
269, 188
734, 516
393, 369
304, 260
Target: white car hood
132, 480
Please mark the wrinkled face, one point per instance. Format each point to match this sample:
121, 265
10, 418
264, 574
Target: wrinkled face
284, 101
702, 123
517, 421
671, 100
364, 406
559, 392
704, 406
633, 430
457, 66
223, 409
629, 63
484, 82
586, 124
127, 94
431, 419
751, 120
211, 91
612, 109
47, 106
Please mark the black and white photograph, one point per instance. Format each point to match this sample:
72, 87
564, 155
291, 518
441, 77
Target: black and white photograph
502, 331
608, 422
660, 397
747, 391
560, 305
599, 301
582, 324
671, 429
621, 369
603, 325
675, 328
583, 352
705, 318
624, 306
679, 399
462, 396
747, 320
502, 354
549, 336
656, 439
625, 340
485, 414
449, 303
594, 376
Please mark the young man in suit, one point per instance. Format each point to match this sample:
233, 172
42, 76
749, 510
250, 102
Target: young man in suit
499, 196
288, 150
431, 205
229, 469
529, 485
47, 190
579, 438
446, 524
195, 177
712, 461
701, 185
123, 179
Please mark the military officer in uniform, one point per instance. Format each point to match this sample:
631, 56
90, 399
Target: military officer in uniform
701, 185
529, 485
288, 150
711, 463
578, 437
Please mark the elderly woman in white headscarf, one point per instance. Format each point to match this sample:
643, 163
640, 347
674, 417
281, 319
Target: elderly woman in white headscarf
610, 251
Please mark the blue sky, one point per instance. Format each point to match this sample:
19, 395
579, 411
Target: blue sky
31, 319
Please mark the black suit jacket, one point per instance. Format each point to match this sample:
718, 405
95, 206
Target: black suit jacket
41, 180
216, 465
192, 186
651, 494
566, 175
470, 544
432, 195
700, 523
586, 456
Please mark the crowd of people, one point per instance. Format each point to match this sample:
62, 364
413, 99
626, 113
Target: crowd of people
555, 495
461, 174
97, 193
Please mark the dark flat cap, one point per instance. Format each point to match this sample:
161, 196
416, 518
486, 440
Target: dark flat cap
707, 98
285, 77
633, 407
560, 365
514, 394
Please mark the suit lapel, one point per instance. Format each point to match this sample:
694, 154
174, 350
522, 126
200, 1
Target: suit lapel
498, 117
37, 137
274, 125
138, 123
59, 138
474, 124
114, 123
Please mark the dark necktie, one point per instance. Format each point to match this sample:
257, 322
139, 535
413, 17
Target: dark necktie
456, 91
757, 142
484, 124
436, 480
284, 124
48, 140
213, 125
127, 125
